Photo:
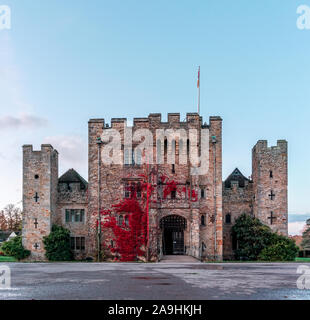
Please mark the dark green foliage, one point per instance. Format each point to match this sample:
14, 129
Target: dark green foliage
257, 241
57, 244
14, 248
305, 244
283, 249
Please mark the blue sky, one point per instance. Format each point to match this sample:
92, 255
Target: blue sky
63, 62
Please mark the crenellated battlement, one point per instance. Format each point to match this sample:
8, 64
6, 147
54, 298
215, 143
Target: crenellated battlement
45, 148
154, 120
40, 177
262, 146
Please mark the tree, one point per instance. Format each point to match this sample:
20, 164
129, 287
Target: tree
57, 244
305, 244
257, 241
251, 236
14, 248
11, 218
283, 249
3, 222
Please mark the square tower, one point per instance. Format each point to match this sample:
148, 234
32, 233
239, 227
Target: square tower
40, 178
193, 208
269, 169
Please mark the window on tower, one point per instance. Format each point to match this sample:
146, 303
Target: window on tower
228, 218
202, 193
173, 194
203, 220
74, 215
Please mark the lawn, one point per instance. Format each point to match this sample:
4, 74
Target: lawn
7, 259
302, 259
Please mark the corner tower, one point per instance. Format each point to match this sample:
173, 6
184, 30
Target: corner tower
269, 173
40, 178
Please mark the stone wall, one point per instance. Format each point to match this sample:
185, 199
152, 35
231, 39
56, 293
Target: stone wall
40, 174
269, 166
236, 201
45, 200
72, 196
112, 179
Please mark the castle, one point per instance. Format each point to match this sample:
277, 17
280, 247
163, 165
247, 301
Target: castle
194, 218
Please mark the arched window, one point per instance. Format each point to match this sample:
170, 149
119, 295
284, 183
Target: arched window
158, 152
127, 221
173, 147
203, 247
126, 157
138, 190
138, 156
228, 218
181, 146
188, 147
120, 220
165, 147
202, 193
203, 220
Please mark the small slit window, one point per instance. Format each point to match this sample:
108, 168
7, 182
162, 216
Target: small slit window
202, 193
203, 220
228, 218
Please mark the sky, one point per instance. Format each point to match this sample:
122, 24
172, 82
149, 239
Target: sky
64, 62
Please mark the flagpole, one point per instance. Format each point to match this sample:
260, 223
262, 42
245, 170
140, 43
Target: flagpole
198, 85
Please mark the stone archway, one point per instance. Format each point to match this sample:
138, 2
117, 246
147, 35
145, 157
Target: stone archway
172, 228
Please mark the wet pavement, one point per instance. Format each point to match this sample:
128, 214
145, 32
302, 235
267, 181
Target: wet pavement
153, 281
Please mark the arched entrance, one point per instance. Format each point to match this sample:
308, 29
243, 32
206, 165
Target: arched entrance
173, 227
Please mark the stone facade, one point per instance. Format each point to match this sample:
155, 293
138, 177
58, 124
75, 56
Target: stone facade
73, 203
40, 175
269, 167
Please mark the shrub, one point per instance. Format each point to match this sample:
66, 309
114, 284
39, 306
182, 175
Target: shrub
283, 249
252, 236
57, 244
14, 248
257, 241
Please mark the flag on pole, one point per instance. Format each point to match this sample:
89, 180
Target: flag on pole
198, 81
198, 86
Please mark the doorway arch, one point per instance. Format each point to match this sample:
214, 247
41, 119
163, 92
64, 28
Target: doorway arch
172, 228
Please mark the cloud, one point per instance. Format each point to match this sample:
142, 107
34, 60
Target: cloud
294, 217
72, 151
295, 228
22, 121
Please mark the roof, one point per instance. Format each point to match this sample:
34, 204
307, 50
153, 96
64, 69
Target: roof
71, 176
4, 235
236, 175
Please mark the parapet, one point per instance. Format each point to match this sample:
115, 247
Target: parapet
262, 146
155, 120
44, 148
